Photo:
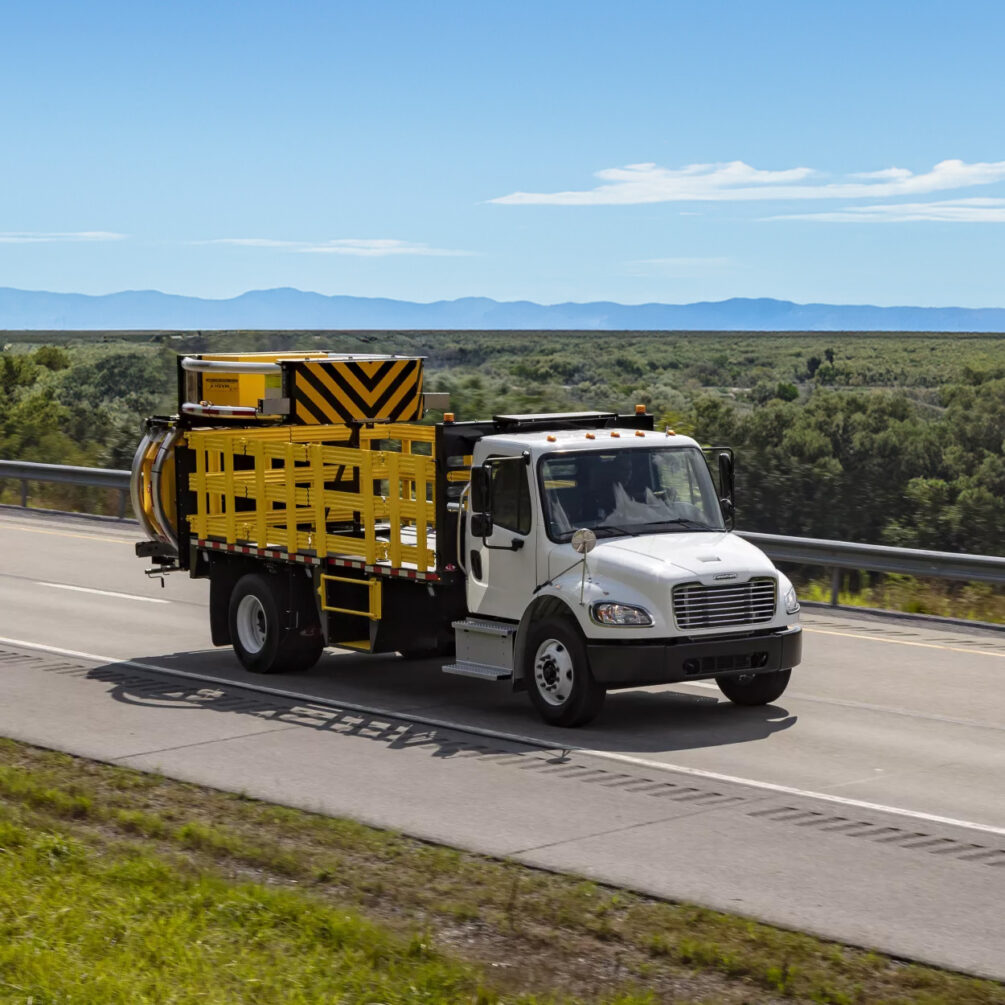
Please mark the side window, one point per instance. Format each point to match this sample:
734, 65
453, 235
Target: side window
511, 495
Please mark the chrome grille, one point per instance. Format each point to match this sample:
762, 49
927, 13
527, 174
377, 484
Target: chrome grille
697, 606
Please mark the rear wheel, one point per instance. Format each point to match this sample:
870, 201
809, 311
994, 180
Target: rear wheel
754, 689
558, 675
257, 615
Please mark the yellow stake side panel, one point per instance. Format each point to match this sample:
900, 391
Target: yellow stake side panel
304, 488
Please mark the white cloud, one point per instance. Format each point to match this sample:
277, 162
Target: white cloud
739, 182
947, 211
361, 247
376, 248
28, 237
251, 242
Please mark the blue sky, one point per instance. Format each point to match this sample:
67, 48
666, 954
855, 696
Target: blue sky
551, 151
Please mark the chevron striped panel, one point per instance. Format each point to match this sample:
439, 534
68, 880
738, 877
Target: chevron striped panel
325, 392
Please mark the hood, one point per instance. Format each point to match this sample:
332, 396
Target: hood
715, 558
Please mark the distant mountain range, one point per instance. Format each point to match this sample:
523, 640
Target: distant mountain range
290, 308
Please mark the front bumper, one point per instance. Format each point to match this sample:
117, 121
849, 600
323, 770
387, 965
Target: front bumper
630, 664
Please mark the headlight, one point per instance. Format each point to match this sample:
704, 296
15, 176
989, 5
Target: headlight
790, 601
620, 615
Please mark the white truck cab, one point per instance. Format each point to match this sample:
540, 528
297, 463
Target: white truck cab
598, 558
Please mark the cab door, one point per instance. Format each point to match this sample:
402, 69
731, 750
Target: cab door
502, 568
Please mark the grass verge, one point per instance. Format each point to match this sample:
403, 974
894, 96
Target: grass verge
911, 595
116, 886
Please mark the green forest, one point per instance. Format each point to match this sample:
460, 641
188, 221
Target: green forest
888, 438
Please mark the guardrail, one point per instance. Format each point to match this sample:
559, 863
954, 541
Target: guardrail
834, 555
840, 555
67, 474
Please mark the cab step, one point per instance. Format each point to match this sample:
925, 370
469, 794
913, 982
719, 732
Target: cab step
484, 649
463, 668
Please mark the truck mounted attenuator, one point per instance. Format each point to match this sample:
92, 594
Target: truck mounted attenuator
567, 553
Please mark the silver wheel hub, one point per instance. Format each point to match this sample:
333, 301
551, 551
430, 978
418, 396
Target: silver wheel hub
252, 627
554, 673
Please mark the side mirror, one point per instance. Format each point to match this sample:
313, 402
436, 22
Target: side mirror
481, 493
481, 525
726, 487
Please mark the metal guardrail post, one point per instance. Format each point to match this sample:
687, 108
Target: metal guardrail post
835, 586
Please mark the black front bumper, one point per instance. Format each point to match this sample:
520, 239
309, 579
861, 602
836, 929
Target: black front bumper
630, 664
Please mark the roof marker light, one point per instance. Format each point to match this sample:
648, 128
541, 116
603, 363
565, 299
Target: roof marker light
638, 432
551, 439
448, 416
640, 409
590, 436
670, 432
615, 434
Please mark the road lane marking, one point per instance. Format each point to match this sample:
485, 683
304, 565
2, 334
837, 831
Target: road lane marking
862, 705
63, 533
904, 642
530, 741
104, 593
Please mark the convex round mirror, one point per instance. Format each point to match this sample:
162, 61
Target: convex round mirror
583, 541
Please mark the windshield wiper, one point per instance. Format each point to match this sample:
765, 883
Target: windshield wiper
681, 521
613, 530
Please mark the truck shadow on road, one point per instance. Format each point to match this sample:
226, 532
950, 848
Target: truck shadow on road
391, 691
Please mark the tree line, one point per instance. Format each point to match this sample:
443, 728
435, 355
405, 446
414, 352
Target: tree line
880, 439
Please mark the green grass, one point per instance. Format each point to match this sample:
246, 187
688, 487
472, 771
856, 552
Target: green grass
968, 601
118, 886
117, 924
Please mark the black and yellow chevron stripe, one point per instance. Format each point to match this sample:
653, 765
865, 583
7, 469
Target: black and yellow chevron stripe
340, 391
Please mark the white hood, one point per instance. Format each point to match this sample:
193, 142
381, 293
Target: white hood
712, 558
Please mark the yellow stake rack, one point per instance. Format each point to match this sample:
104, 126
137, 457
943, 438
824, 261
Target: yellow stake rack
283, 486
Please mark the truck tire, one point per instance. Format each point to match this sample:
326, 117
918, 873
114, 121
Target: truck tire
558, 675
257, 609
754, 689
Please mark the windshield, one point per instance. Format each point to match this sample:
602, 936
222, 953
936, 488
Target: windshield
628, 491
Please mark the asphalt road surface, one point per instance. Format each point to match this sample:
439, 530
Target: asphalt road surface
867, 804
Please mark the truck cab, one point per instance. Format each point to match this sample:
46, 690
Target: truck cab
601, 557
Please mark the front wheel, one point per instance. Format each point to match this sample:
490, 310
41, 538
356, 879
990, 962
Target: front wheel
754, 689
558, 676
262, 643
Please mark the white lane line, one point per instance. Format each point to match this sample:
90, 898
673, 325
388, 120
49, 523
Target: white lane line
23, 528
530, 741
904, 642
864, 706
103, 593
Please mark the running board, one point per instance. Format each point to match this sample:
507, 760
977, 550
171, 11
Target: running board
484, 649
482, 671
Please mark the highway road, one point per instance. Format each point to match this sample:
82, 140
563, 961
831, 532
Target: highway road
867, 805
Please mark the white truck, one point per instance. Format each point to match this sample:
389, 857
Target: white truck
567, 554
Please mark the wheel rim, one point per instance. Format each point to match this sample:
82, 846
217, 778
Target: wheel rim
252, 627
554, 673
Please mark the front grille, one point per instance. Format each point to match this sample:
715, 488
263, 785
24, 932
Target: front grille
697, 606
